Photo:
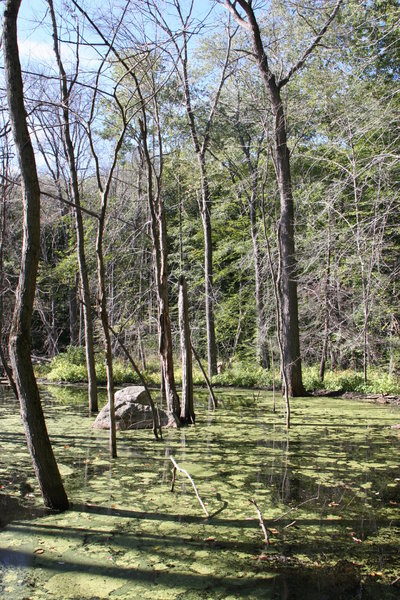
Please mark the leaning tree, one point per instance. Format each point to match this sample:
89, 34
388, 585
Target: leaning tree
38, 441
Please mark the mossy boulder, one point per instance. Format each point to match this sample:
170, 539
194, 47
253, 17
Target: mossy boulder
132, 411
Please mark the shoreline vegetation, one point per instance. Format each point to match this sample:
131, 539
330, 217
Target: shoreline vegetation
69, 368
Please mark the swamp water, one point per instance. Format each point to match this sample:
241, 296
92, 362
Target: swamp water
329, 494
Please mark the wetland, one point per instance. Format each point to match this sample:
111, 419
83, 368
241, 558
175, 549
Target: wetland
328, 491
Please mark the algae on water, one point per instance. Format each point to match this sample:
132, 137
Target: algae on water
328, 491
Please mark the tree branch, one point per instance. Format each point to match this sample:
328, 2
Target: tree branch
311, 47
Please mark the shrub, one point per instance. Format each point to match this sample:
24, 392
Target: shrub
243, 374
70, 366
379, 381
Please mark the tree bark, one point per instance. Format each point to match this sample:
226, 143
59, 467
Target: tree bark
160, 256
4, 359
165, 335
106, 328
289, 302
205, 210
187, 409
73, 315
325, 343
262, 346
38, 441
80, 236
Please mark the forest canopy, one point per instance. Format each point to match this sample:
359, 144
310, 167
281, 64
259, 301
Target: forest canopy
251, 147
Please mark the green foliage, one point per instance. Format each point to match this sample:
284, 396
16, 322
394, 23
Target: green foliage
244, 374
70, 366
61, 369
349, 380
76, 355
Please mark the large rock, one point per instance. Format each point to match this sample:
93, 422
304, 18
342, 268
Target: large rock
132, 411
132, 393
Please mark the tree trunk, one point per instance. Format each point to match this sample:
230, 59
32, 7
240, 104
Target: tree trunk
106, 333
73, 315
83, 274
187, 409
165, 335
160, 259
4, 358
38, 441
208, 273
327, 312
262, 345
289, 303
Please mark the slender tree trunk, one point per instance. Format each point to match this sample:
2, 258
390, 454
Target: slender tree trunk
276, 282
187, 410
262, 345
327, 311
165, 335
4, 358
142, 353
208, 271
73, 315
160, 259
38, 441
106, 332
75, 194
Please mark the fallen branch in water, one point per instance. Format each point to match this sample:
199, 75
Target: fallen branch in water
290, 524
208, 382
178, 468
261, 520
298, 506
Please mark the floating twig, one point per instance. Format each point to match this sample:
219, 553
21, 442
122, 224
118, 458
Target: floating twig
290, 524
178, 468
261, 520
298, 506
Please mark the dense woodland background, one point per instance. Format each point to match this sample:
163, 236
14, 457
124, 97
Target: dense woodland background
197, 81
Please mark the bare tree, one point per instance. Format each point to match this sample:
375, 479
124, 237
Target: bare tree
154, 169
187, 413
66, 91
38, 441
244, 13
200, 134
6, 188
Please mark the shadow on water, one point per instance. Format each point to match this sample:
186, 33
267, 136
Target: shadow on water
328, 493
292, 582
12, 509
